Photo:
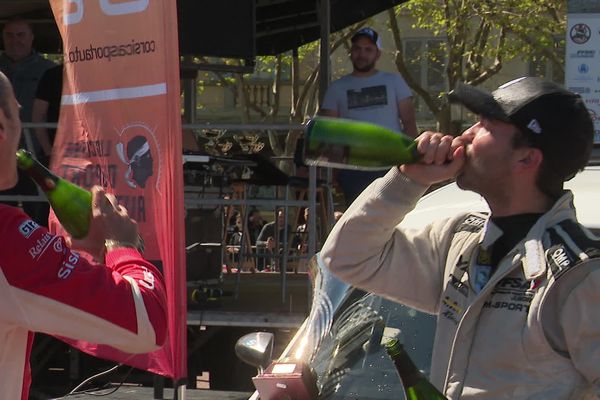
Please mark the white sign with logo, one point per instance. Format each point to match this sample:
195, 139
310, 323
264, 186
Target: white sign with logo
582, 62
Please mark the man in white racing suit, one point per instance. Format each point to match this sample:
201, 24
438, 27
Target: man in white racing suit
516, 292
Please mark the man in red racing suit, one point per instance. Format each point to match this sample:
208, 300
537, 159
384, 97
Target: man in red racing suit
48, 287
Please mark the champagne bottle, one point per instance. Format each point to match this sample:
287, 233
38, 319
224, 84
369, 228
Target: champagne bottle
71, 203
349, 144
416, 386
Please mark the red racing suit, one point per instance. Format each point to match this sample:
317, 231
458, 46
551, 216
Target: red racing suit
47, 287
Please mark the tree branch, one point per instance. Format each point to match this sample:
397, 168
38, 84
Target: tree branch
401, 65
495, 67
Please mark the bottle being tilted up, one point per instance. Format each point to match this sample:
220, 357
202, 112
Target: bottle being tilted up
71, 203
349, 144
415, 384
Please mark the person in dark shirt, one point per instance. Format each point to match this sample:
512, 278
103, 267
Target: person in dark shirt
21, 64
24, 67
46, 108
255, 225
271, 237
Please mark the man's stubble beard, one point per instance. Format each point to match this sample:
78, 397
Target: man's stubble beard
367, 68
477, 177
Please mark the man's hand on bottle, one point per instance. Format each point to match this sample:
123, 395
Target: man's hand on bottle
443, 158
110, 221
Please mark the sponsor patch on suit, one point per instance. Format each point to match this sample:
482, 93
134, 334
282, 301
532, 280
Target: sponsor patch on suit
559, 260
472, 223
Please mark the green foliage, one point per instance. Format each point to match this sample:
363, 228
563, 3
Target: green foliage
485, 31
479, 36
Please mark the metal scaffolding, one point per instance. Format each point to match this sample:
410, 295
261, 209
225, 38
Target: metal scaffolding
197, 197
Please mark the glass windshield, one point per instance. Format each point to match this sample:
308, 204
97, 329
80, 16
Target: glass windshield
342, 339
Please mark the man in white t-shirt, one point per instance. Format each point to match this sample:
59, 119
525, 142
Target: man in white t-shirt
368, 94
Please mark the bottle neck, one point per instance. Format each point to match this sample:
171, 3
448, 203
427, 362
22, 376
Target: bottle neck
45, 179
408, 371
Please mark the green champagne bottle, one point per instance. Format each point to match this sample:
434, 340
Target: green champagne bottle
416, 386
71, 203
349, 144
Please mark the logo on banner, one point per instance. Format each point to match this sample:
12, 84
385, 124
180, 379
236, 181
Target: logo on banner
583, 69
138, 159
135, 151
74, 11
580, 33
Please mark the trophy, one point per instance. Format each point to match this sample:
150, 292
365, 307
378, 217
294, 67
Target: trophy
249, 142
212, 136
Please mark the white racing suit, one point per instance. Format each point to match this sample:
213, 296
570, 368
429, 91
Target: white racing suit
532, 332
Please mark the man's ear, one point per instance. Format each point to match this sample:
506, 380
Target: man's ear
530, 157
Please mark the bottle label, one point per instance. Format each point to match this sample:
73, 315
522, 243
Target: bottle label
327, 153
334, 155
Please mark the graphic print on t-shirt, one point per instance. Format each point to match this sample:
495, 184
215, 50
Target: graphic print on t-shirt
367, 97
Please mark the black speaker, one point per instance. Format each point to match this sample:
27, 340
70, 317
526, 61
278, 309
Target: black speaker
203, 225
203, 232
203, 262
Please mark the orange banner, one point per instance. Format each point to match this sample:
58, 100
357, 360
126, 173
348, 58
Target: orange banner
120, 127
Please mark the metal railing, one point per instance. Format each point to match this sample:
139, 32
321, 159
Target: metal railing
285, 202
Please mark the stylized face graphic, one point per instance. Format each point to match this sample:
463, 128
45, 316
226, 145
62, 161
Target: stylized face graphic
139, 161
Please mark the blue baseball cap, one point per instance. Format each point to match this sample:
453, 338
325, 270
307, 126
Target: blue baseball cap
370, 34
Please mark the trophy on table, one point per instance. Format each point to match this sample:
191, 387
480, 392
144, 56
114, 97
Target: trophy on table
249, 142
213, 143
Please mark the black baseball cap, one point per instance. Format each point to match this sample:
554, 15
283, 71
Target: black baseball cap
370, 34
553, 118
